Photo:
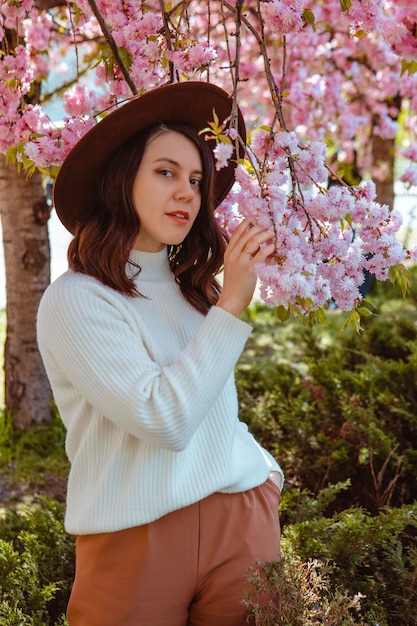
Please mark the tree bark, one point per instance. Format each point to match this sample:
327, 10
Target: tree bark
383, 151
24, 214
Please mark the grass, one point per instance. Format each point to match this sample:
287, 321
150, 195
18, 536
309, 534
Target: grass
33, 463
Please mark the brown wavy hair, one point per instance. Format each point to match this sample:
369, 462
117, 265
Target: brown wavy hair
105, 236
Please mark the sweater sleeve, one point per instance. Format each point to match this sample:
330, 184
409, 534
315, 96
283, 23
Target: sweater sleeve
88, 342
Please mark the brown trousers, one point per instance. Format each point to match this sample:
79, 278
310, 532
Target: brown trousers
186, 569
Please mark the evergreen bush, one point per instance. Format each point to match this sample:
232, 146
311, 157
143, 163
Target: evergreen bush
338, 411
36, 565
335, 406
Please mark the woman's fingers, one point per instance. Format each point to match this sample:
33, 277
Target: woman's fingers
247, 238
254, 242
248, 246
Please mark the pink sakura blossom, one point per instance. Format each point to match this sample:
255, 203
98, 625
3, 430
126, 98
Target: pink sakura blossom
325, 237
9, 102
309, 163
286, 140
412, 255
191, 59
277, 177
367, 190
14, 12
331, 206
143, 26
55, 144
42, 151
72, 132
37, 31
283, 18
232, 133
386, 128
370, 214
18, 66
400, 32
315, 259
36, 120
365, 15
410, 153
146, 69
79, 101
227, 216
222, 153
409, 177
7, 136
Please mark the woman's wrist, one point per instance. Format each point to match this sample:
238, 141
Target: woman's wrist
233, 308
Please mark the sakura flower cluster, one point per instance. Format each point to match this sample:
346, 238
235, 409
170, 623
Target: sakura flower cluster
325, 236
323, 74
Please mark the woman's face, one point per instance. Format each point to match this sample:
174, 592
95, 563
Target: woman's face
167, 191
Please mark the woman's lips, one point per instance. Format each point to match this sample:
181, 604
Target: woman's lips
181, 217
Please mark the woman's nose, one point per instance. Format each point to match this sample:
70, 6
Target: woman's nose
184, 189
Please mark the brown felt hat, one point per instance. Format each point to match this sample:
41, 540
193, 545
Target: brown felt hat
191, 102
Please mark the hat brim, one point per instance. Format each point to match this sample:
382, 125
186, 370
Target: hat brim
191, 102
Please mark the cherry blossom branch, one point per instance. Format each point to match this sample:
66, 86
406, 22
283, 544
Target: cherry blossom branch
109, 37
226, 36
167, 35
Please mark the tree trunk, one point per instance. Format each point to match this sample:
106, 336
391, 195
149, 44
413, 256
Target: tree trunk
383, 151
24, 214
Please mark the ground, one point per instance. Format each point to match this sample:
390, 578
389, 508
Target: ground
26, 474
12, 493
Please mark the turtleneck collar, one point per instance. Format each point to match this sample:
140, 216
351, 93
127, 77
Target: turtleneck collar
153, 265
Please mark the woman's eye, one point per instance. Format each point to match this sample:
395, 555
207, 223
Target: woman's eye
165, 172
196, 182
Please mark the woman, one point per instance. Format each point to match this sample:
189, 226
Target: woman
169, 497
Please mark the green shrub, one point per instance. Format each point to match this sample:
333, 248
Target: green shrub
306, 592
338, 412
334, 407
348, 568
36, 565
371, 555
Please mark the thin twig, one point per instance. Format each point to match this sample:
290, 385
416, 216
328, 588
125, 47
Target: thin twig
167, 35
113, 46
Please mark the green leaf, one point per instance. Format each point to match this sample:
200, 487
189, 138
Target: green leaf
360, 34
247, 164
321, 315
125, 56
308, 17
283, 313
215, 118
401, 275
370, 304
318, 316
363, 310
353, 320
224, 138
408, 66
345, 5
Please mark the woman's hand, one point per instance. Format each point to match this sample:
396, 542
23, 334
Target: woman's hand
242, 254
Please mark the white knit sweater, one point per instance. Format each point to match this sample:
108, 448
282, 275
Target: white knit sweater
145, 387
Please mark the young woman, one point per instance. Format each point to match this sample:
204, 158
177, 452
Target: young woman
170, 498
